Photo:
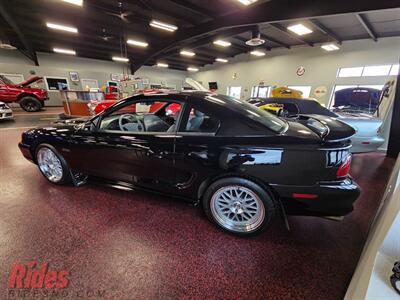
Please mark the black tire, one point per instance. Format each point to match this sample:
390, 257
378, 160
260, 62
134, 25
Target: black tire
30, 104
266, 197
66, 172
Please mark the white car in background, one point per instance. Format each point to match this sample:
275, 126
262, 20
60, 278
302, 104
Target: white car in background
5, 112
368, 136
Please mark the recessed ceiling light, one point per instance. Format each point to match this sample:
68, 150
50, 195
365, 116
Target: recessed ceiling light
162, 65
330, 47
162, 25
187, 53
247, 2
137, 43
191, 69
64, 51
222, 43
257, 53
223, 60
62, 27
75, 2
121, 59
300, 29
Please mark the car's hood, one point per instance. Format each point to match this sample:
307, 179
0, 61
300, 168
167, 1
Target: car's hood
29, 81
326, 128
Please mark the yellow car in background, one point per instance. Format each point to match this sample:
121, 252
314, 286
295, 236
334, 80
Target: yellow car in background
285, 92
274, 108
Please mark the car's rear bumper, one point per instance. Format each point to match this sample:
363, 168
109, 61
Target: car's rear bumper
25, 150
366, 144
323, 199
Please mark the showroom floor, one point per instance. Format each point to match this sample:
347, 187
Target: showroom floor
138, 245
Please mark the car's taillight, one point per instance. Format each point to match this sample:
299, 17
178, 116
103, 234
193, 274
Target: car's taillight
344, 168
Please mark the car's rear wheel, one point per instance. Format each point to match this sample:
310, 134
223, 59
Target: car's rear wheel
30, 104
52, 165
239, 206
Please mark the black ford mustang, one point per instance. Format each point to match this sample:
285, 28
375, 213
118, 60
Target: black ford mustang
243, 164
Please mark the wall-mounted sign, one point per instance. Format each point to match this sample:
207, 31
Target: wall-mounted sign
300, 71
320, 91
74, 76
115, 77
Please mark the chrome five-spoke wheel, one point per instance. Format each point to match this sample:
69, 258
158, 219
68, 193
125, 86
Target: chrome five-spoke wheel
50, 164
237, 208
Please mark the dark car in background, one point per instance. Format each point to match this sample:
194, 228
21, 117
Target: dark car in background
243, 164
31, 99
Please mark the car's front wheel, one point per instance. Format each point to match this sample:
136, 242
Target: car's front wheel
239, 206
52, 165
30, 104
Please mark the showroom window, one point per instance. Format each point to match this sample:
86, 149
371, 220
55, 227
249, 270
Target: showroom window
350, 72
57, 83
201, 122
234, 91
376, 70
260, 91
305, 89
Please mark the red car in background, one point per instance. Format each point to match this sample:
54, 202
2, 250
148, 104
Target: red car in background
30, 99
111, 97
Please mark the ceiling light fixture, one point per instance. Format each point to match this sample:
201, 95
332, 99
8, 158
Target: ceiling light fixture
64, 51
137, 43
120, 59
191, 69
162, 65
299, 29
62, 27
162, 25
222, 43
223, 60
187, 53
247, 2
330, 47
75, 2
256, 39
257, 53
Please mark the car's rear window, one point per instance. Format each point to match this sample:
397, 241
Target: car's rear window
261, 116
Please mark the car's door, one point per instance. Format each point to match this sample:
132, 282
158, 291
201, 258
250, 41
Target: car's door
197, 149
131, 144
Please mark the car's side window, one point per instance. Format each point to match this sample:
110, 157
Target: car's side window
201, 122
143, 117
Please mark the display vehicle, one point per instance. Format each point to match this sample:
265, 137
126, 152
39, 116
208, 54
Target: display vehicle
31, 99
5, 112
368, 135
243, 164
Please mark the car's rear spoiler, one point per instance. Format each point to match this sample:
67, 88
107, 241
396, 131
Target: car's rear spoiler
329, 129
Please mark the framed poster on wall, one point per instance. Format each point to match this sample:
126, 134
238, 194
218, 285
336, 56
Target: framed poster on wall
74, 76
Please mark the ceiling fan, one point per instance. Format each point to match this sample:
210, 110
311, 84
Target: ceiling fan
122, 15
105, 36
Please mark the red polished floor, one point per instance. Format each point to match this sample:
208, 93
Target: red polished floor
135, 245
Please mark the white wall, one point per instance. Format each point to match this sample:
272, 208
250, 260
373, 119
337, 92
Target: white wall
279, 66
58, 65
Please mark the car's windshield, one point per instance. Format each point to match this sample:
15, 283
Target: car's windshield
6, 80
267, 119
